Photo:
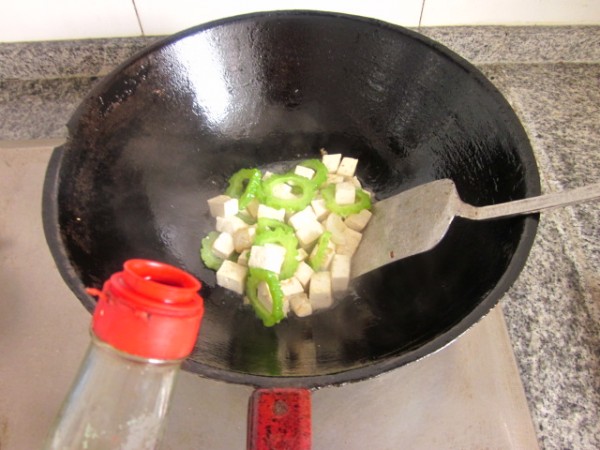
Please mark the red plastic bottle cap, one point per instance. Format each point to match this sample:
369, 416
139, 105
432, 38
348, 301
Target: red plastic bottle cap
151, 309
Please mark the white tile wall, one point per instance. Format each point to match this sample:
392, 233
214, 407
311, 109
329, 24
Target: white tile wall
30, 20
510, 12
35, 20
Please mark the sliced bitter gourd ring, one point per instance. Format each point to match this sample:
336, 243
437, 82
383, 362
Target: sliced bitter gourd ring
255, 276
363, 201
297, 203
287, 240
236, 188
211, 260
320, 169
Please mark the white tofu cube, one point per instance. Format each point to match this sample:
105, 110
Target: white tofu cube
230, 224
267, 212
302, 255
319, 292
358, 221
223, 246
291, 286
232, 276
347, 166
300, 304
340, 273
252, 208
268, 257
345, 193
302, 218
243, 238
336, 226
356, 182
267, 175
334, 178
303, 274
332, 162
223, 206
308, 234
352, 240
305, 172
283, 190
243, 258
263, 294
319, 208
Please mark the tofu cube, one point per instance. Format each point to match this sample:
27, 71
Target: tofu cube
340, 273
243, 258
302, 218
309, 234
356, 182
305, 172
243, 238
223, 206
347, 167
358, 221
336, 226
268, 257
232, 276
223, 246
352, 240
302, 255
334, 178
291, 286
268, 174
230, 224
283, 190
332, 162
267, 212
252, 208
319, 292
300, 304
319, 208
345, 193
263, 294
303, 274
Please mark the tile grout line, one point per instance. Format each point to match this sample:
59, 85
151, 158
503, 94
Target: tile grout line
139, 21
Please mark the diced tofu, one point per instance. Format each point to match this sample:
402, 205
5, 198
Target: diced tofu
243, 238
358, 221
300, 304
340, 273
332, 162
336, 226
291, 286
302, 255
232, 276
334, 178
243, 258
230, 224
267, 212
303, 274
308, 234
252, 208
356, 182
319, 208
329, 252
263, 294
223, 246
347, 166
352, 240
302, 218
267, 175
282, 190
345, 193
305, 172
223, 206
319, 292
267, 256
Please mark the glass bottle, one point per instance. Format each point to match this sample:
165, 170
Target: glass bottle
145, 323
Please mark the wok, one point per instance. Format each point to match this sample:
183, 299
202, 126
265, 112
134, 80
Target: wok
163, 132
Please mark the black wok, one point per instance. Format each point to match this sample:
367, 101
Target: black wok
162, 133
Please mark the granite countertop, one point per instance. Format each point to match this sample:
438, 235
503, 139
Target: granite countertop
551, 77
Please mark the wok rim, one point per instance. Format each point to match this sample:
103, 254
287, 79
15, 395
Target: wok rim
368, 370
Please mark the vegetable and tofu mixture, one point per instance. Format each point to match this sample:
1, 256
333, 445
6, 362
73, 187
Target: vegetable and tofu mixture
285, 241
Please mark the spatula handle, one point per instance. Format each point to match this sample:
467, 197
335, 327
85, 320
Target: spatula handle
533, 204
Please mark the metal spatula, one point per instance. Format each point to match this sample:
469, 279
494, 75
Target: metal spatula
416, 220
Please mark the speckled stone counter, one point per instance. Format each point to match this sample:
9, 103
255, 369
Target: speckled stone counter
551, 76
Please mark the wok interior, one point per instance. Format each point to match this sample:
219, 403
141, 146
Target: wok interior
161, 135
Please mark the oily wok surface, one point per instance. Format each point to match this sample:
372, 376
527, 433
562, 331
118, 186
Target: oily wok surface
163, 133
